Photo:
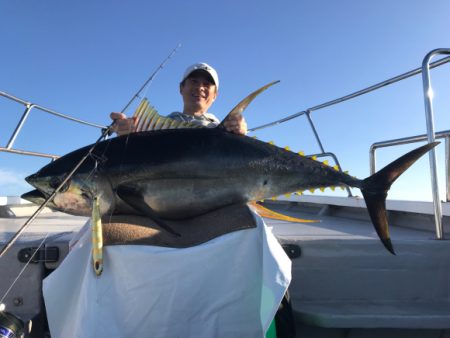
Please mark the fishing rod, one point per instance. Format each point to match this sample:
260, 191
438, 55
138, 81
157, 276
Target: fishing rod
105, 132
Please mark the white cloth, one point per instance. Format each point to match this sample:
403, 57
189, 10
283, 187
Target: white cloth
230, 286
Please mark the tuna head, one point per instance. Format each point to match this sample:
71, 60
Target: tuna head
77, 194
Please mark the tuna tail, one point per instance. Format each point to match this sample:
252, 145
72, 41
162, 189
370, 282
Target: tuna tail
375, 188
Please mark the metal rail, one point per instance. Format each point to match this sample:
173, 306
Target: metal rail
430, 136
427, 90
28, 153
28, 108
322, 149
413, 139
353, 95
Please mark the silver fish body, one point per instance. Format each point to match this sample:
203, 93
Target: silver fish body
176, 174
186, 172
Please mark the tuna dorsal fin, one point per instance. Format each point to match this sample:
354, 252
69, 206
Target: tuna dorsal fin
148, 119
245, 102
264, 212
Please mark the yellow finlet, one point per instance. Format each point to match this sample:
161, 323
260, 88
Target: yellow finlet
301, 153
314, 157
325, 162
287, 148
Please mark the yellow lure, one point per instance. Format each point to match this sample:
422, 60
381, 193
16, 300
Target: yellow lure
97, 238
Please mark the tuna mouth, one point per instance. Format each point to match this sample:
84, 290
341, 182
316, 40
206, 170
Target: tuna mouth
34, 196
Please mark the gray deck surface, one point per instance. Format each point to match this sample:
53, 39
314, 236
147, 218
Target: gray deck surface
330, 227
54, 224
344, 278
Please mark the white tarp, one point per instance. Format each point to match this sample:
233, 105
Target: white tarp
230, 286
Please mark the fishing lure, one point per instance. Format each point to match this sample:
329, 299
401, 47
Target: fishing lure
97, 238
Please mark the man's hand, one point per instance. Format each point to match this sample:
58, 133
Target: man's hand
236, 125
123, 125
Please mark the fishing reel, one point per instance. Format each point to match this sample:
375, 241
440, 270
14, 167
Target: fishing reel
10, 325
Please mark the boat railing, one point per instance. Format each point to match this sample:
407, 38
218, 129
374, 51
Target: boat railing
420, 138
431, 135
353, 95
29, 107
413, 139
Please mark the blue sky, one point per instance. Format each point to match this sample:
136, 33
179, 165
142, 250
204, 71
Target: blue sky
87, 58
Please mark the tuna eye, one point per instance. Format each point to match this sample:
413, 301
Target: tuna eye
55, 183
86, 196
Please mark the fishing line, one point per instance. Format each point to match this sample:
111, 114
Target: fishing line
105, 132
23, 269
145, 87
50, 198
152, 76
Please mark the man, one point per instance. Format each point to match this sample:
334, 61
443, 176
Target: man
199, 89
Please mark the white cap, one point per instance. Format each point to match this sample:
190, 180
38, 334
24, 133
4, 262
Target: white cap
202, 66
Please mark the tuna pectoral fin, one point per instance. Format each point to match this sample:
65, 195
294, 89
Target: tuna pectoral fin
375, 188
267, 213
134, 199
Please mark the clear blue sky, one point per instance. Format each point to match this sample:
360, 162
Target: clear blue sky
87, 58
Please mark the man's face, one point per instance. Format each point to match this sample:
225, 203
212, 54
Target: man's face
198, 91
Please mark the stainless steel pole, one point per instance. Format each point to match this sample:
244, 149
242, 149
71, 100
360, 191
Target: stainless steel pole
428, 93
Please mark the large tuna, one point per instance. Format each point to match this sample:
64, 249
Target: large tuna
176, 174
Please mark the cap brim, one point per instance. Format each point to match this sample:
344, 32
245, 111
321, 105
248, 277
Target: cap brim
203, 73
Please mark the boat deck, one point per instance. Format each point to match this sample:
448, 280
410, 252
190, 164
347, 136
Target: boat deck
345, 279
345, 284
